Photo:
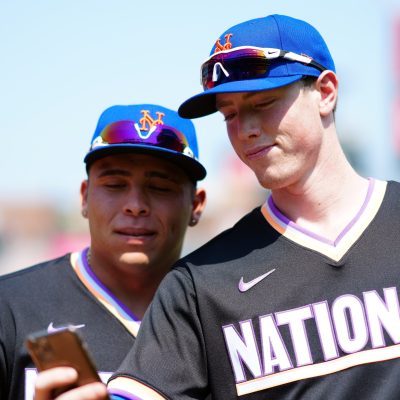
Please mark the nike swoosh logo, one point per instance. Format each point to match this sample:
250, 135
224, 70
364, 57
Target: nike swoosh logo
245, 286
51, 328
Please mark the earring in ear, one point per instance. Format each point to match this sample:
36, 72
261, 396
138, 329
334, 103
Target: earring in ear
84, 213
193, 222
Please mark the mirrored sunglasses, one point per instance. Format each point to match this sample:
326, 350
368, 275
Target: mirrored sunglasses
246, 62
129, 132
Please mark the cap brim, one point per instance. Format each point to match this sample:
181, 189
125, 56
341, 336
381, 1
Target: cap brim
190, 166
204, 103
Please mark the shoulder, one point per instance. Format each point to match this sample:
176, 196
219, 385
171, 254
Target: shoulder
392, 194
393, 186
33, 275
249, 232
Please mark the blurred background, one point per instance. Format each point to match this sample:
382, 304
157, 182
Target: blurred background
64, 62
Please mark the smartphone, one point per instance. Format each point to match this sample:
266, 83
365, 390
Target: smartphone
62, 348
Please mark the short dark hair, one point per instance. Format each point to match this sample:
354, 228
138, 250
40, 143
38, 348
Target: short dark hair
308, 81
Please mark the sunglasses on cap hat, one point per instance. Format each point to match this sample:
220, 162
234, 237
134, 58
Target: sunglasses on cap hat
128, 132
246, 62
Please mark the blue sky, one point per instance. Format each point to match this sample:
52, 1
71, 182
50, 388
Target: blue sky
64, 62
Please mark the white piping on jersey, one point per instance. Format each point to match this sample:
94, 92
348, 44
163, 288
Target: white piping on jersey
334, 250
102, 294
129, 388
321, 369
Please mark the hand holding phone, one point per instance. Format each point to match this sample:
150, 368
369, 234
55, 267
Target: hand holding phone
63, 348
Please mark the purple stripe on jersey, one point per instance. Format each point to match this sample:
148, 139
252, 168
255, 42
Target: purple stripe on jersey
371, 186
122, 395
293, 225
96, 280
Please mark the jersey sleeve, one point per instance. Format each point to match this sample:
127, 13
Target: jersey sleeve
169, 354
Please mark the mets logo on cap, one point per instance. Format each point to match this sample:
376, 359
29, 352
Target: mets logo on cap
144, 128
226, 46
147, 122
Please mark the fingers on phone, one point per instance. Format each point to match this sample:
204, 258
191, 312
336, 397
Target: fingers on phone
91, 391
51, 379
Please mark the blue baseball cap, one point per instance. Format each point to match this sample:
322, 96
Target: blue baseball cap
149, 129
293, 49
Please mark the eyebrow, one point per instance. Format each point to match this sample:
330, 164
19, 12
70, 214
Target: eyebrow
220, 104
126, 173
160, 174
224, 103
113, 171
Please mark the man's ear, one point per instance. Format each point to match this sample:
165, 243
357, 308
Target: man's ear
199, 202
327, 84
84, 196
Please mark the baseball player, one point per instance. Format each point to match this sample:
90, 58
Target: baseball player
299, 300
139, 198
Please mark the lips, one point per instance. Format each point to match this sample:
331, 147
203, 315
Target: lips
258, 151
135, 232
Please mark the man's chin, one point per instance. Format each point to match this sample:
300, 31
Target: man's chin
134, 258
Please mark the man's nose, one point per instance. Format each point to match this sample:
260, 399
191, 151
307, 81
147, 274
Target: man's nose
249, 126
137, 203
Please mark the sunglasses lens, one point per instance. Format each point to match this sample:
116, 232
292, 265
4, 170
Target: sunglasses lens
171, 139
233, 66
125, 132
118, 132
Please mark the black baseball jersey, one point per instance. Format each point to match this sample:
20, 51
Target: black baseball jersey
52, 295
268, 310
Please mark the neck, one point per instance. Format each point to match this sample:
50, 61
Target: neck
134, 286
326, 201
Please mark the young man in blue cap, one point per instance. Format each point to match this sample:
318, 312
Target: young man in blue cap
299, 300
139, 198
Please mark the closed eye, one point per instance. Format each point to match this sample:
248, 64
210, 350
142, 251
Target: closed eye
115, 185
264, 104
229, 116
162, 185
160, 188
